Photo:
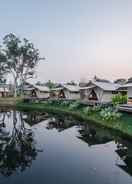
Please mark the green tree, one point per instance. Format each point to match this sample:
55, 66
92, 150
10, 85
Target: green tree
50, 84
20, 58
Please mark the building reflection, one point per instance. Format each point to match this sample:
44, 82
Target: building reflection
124, 151
34, 118
93, 136
61, 123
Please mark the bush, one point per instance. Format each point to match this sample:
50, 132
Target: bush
89, 110
74, 105
109, 114
65, 103
96, 108
119, 99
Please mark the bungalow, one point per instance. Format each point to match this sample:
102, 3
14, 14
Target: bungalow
99, 91
41, 92
4, 90
128, 86
71, 92
37, 91
67, 91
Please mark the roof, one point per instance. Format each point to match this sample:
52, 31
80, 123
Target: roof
72, 88
57, 89
30, 86
106, 86
127, 85
42, 88
88, 87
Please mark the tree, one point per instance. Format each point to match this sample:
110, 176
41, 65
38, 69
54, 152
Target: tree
20, 59
2, 67
50, 84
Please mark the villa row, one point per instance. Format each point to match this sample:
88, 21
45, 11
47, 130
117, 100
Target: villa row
100, 91
90, 92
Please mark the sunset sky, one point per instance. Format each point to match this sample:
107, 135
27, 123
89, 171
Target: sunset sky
79, 38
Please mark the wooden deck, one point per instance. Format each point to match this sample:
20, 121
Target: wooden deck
125, 108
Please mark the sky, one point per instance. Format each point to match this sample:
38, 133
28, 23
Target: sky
78, 38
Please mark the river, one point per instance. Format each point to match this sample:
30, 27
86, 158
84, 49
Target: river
40, 148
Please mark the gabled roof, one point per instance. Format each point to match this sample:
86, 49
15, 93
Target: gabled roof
106, 86
127, 85
72, 88
30, 86
57, 89
42, 88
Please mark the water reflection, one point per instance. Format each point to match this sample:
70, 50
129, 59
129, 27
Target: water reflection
61, 123
18, 145
93, 136
124, 150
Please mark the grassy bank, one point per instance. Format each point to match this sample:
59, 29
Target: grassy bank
123, 125
9, 101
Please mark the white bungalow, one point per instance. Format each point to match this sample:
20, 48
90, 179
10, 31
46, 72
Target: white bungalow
71, 92
99, 91
4, 91
67, 91
41, 92
37, 91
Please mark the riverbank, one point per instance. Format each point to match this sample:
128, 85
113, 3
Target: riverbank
9, 101
122, 125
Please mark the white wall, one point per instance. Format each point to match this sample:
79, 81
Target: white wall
71, 95
43, 94
107, 96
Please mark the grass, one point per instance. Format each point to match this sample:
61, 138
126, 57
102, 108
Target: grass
122, 125
9, 101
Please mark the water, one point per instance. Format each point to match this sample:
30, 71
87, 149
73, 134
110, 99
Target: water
39, 148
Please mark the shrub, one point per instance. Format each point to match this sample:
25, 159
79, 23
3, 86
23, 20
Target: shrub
87, 110
119, 99
96, 108
65, 103
74, 105
109, 114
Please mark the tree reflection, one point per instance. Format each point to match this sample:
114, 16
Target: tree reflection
34, 118
17, 150
61, 123
93, 135
124, 151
